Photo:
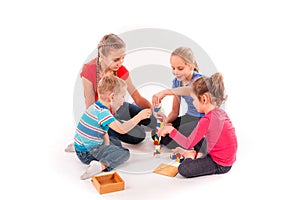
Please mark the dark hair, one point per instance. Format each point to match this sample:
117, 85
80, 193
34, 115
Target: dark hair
214, 85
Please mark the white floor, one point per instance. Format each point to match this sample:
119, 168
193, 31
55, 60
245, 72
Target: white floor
141, 182
255, 44
256, 174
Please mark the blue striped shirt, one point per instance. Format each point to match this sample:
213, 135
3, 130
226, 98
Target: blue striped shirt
92, 126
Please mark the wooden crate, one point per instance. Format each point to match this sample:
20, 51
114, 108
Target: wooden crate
108, 183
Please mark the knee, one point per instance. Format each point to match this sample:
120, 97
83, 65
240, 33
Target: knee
184, 171
137, 135
126, 154
137, 140
152, 122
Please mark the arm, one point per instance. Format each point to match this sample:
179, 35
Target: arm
192, 139
89, 93
175, 110
136, 96
123, 128
106, 139
180, 91
196, 135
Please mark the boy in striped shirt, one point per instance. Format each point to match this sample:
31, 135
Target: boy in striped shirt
92, 143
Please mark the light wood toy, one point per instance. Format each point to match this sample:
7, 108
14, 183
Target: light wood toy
108, 183
166, 170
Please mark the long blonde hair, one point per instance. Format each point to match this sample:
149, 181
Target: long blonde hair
108, 43
187, 55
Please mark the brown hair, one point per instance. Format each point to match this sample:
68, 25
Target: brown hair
187, 55
214, 85
110, 84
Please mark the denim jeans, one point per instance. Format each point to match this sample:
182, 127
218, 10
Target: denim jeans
200, 167
137, 134
111, 156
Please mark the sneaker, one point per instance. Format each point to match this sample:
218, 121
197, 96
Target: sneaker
93, 169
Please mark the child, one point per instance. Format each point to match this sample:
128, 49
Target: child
92, 143
208, 95
111, 54
185, 70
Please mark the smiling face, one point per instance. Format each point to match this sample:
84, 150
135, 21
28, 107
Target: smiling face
114, 60
118, 99
180, 69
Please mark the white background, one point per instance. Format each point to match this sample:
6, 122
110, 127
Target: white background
43, 44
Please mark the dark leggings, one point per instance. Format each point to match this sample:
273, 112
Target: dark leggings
200, 167
137, 134
185, 125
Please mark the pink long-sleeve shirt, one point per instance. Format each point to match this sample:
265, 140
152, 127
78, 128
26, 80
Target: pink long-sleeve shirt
220, 136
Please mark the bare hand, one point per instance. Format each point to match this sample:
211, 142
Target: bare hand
160, 116
165, 131
145, 113
156, 98
185, 153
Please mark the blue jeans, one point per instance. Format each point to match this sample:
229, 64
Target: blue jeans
111, 156
137, 134
200, 167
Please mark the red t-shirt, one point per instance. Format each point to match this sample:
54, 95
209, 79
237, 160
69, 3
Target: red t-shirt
89, 72
220, 135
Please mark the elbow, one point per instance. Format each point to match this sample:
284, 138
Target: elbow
89, 101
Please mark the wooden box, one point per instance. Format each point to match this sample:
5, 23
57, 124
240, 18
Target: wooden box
108, 183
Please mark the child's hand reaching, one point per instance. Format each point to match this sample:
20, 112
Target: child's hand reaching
144, 114
160, 116
165, 130
156, 98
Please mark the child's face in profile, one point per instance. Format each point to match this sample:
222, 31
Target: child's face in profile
115, 59
198, 105
118, 99
180, 69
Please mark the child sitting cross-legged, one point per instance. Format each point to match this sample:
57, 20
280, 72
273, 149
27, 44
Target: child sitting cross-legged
215, 126
92, 143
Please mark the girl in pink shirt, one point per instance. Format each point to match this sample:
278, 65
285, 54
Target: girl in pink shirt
208, 95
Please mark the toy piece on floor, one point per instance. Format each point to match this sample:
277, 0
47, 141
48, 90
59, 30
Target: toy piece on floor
166, 170
178, 157
106, 183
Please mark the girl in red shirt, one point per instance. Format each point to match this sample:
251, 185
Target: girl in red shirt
208, 95
111, 53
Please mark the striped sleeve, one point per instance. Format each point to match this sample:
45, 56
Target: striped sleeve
105, 117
